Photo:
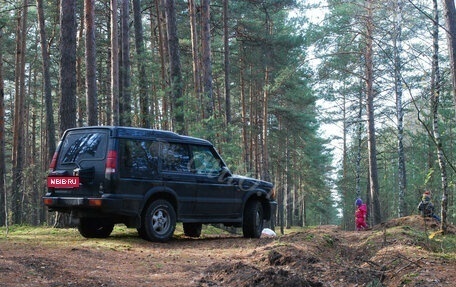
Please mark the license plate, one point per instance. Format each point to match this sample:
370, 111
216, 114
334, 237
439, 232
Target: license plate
62, 182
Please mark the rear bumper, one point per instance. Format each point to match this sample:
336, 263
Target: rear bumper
104, 205
71, 202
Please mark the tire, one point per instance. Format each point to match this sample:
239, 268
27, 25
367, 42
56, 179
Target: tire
253, 219
192, 229
95, 228
142, 232
159, 221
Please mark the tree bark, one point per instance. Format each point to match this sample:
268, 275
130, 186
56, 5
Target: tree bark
91, 64
50, 125
288, 195
206, 59
175, 68
435, 98
226, 52
114, 119
449, 12
125, 66
139, 43
195, 54
162, 44
265, 108
397, 45
3, 205
67, 108
19, 112
372, 149
154, 45
264, 138
242, 87
81, 93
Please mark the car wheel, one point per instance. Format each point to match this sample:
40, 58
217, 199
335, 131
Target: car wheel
253, 219
95, 228
142, 232
192, 229
159, 221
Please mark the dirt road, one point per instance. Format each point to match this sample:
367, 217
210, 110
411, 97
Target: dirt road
391, 255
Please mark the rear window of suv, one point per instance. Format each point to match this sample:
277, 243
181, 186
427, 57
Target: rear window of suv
81, 146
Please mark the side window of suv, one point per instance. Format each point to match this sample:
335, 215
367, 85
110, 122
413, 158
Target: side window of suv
175, 157
204, 161
138, 158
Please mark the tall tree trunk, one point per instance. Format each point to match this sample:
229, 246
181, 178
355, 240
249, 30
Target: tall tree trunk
298, 200
359, 140
265, 109
347, 215
154, 44
397, 45
91, 64
81, 105
227, 67
35, 179
125, 77
3, 205
195, 54
175, 68
206, 55
264, 144
359, 135
253, 123
449, 12
139, 43
19, 110
242, 87
372, 149
280, 203
67, 107
114, 120
288, 197
50, 125
105, 108
162, 44
304, 209
435, 98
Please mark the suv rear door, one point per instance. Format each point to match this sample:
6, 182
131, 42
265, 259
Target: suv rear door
176, 175
138, 171
82, 152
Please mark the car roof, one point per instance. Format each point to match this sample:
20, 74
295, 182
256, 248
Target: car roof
144, 133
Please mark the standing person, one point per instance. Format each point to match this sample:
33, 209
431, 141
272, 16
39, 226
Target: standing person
426, 207
360, 215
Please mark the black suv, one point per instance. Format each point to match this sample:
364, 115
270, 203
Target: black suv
149, 180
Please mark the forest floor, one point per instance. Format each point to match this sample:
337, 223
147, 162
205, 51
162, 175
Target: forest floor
402, 252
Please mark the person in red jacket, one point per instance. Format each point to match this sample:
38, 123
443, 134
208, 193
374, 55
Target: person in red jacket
360, 215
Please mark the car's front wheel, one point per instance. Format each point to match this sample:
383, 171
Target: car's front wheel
253, 219
159, 221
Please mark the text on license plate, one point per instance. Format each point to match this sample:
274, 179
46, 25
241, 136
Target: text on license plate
63, 182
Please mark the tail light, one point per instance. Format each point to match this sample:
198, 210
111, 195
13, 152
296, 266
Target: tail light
53, 162
111, 162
